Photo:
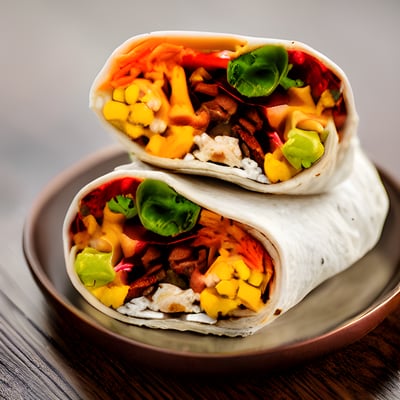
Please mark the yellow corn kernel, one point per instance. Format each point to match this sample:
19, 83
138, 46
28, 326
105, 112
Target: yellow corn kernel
242, 269
222, 269
114, 110
256, 278
156, 145
325, 101
113, 296
227, 288
176, 145
97, 291
141, 114
277, 168
214, 305
250, 296
132, 94
134, 131
119, 94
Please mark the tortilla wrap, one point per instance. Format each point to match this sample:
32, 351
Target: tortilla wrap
308, 239
191, 102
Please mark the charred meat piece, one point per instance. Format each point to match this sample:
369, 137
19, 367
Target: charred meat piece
190, 263
252, 122
151, 256
250, 129
210, 89
184, 260
221, 108
144, 285
250, 145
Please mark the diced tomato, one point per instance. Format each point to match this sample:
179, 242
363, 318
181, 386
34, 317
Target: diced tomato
95, 201
212, 60
313, 72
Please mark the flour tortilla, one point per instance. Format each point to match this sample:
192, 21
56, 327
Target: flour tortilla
310, 238
332, 168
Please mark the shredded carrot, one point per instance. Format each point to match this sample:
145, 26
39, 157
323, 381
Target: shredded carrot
134, 55
249, 248
124, 64
141, 59
122, 71
123, 81
166, 52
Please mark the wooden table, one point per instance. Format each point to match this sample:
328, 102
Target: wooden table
50, 54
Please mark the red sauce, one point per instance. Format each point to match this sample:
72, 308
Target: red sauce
312, 72
94, 202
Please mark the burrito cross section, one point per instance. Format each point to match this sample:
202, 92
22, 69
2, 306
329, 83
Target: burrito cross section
139, 242
255, 112
169, 251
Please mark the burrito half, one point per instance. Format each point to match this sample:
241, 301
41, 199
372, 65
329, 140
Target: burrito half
164, 251
273, 116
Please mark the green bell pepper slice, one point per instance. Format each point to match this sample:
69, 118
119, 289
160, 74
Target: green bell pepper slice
123, 205
302, 148
163, 211
259, 72
94, 268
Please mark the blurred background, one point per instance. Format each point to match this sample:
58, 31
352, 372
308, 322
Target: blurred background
52, 50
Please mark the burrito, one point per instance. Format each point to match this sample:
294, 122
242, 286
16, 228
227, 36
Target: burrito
163, 250
272, 116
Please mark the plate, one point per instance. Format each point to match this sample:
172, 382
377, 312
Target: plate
338, 312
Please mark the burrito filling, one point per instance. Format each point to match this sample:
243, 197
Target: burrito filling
264, 111
146, 251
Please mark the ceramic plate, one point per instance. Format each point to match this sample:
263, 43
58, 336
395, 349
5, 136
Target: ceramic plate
338, 312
